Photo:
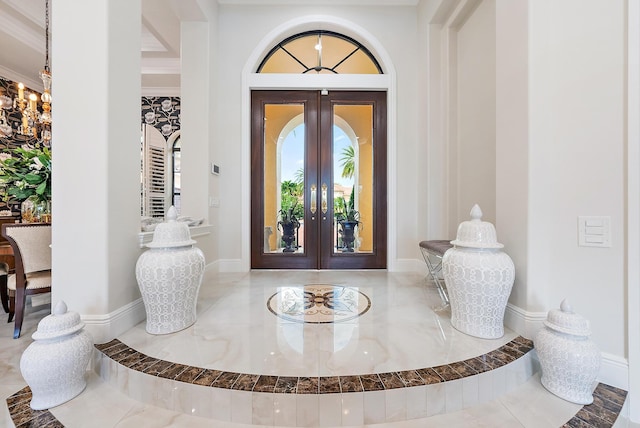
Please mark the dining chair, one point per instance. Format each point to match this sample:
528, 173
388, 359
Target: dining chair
31, 244
4, 294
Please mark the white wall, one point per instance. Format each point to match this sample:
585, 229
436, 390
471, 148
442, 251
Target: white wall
432, 192
577, 160
241, 29
198, 31
474, 151
559, 116
512, 138
210, 248
633, 206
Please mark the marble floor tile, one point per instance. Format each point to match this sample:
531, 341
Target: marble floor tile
236, 332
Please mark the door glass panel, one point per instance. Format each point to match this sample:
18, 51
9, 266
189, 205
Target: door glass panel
352, 176
283, 181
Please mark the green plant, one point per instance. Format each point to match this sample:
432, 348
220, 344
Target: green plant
291, 194
347, 162
346, 212
288, 216
25, 172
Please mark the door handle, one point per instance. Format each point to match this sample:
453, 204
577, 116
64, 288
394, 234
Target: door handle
314, 199
325, 205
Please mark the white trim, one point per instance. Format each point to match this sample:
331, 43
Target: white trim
107, 326
524, 323
21, 31
319, 81
228, 265
324, 2
14, 76
196, 231
160, 91
387, 81
633, 207
160, 66
614, 371
410, 265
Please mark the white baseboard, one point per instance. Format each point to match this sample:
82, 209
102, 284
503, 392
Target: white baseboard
106, 327
407, 265
614, 370
526, 324
226, 265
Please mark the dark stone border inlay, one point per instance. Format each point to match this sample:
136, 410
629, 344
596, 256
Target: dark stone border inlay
24, 416
135, 360
603, 412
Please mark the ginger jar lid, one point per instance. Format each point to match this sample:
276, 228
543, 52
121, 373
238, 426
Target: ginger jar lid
171, 233
476, 233
566, 321
60, 323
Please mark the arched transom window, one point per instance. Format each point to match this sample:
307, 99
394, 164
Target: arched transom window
322, 52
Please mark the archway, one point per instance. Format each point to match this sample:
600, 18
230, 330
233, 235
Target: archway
382, 82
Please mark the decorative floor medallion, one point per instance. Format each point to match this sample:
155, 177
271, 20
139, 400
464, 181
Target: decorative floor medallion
318, 303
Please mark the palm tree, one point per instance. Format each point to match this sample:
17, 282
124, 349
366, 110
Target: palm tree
298, 177
347, 162
289, 187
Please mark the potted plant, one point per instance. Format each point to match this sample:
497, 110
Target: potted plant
349, 219
25, 177
288, 225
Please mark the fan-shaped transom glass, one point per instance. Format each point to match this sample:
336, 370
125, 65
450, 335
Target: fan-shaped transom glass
322, 52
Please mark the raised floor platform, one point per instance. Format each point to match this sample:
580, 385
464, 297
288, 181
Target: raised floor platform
396, 364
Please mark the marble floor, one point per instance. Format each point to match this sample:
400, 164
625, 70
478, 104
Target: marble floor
236, 332
403, 329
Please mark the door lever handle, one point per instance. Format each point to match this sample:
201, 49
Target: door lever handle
314, 199
325, 205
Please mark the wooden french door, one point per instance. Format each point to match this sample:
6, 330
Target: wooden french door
318, 160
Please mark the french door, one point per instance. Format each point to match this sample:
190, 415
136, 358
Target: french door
318, 180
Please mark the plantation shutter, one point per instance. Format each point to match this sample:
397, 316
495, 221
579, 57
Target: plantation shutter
154, 176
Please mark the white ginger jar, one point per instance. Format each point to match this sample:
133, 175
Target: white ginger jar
479, 278
169, 276
54, 365
569, 360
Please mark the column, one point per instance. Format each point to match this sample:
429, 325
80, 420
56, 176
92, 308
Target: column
195, 118
96, 161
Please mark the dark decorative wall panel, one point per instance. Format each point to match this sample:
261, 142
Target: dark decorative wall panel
163, 113
9, 91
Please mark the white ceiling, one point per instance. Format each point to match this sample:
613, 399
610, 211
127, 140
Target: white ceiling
22, 41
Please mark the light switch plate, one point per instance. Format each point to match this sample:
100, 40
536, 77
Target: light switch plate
594, 231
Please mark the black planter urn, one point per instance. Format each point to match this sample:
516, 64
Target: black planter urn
288, 237
348, 235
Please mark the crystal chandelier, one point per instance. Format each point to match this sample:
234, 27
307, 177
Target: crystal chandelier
34, 123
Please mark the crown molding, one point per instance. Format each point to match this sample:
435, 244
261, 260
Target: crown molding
22, 32
321, 2
159, 91
35, 85
160, 66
